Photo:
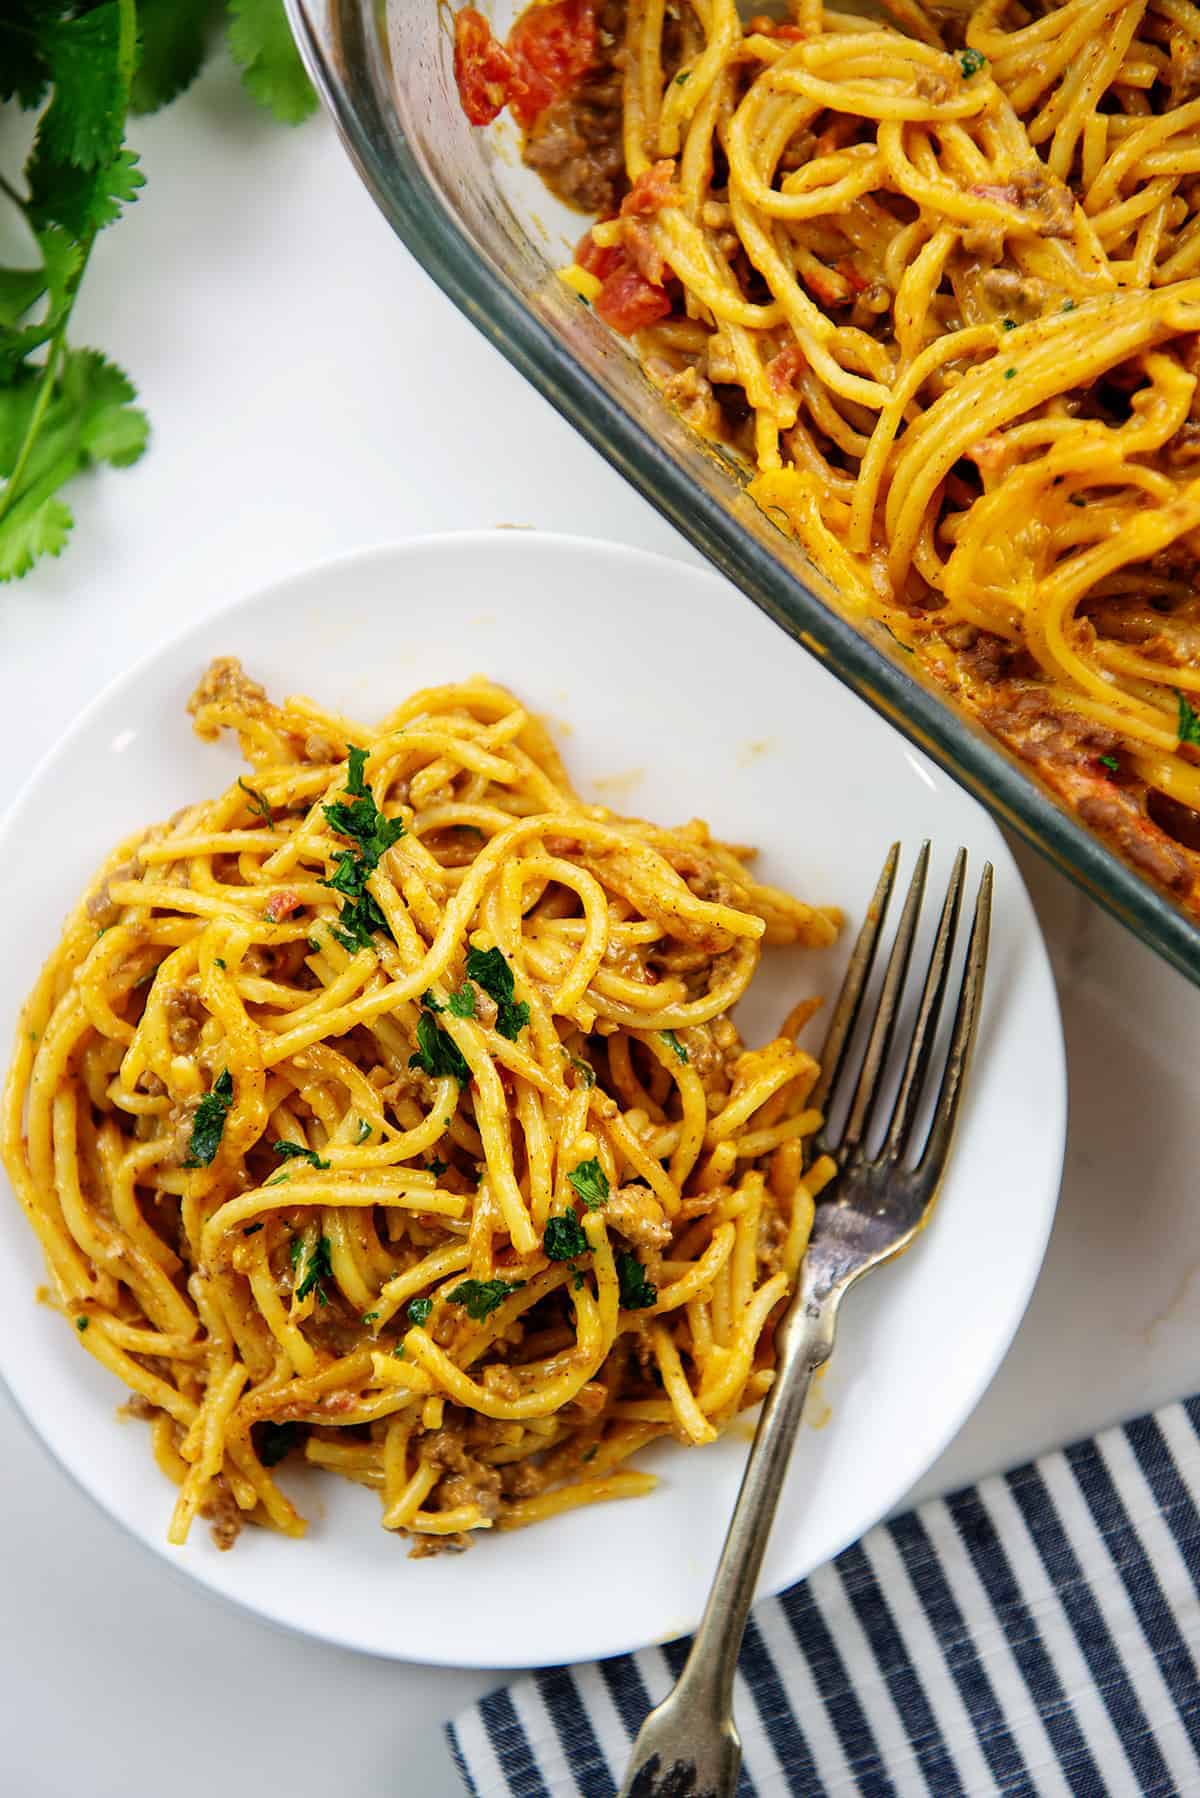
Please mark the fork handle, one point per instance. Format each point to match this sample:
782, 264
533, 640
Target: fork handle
689, 1747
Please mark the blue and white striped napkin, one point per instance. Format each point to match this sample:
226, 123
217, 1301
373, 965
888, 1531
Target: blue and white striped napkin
1035, 1634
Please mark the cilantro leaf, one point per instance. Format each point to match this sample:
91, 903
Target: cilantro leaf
261, 41
85, 420
971, 61
174, 39
437, 1167
418, 1311
637, 1293
208, 1125
275, 1441
357, 761
257, 803
672, 1041
590, 1182
430, 1003
36, 527
438, 1054
85, 121
318, 1270
564, 1237
482, 1297
364, 1131
295, 1151
462, 1002
489, 969
1110, 762
1189, 721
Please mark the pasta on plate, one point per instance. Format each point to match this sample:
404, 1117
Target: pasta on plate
932, 281
387, 1109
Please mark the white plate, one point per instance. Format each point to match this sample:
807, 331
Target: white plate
678, 699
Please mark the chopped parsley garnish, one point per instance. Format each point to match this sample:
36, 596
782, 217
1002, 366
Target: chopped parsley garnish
1009, 373
438, 1054
278, 1179
252, 1229
217, 962
683, 75
318, 1270
1077, 499
971, 61
590, 1182
586, 1072
564, 1238
418, 1311
482, 1297
356, 762
672, 1041
430, 1003
462, 1002
1010, 324
398, 1353
1068, 305
257, 802
1111, 762
81, 1324
275, 1441
437, 1166
637, 1293
359, 818
370, 1316
208, 1125
1189, 722
489, 969
364, 1131
294, 1151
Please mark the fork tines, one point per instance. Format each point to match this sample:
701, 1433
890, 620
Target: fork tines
835, 1054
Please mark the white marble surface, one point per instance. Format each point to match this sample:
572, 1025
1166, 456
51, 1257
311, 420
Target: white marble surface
311, 391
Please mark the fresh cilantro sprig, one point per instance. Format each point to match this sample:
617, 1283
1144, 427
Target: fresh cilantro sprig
590, 1182
357, 817
489, 969
318, 1269
295, 1151
437, 1054
1188, 725
208, 1124
85, 67
564, 1237
482, 1297
637, 1292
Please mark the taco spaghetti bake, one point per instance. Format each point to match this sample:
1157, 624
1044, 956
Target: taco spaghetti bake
387, 1109
934, 281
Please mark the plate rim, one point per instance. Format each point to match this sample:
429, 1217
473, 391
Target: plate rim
505, 540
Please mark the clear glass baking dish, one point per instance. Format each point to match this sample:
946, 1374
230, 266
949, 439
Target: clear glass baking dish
491, 238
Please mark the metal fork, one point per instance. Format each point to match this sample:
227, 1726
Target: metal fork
689, 1746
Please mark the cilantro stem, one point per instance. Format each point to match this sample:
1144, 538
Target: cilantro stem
127, 49
12, 486
6, 187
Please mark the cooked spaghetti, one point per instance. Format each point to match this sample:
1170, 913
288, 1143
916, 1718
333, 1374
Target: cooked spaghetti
936, 282
388, 1109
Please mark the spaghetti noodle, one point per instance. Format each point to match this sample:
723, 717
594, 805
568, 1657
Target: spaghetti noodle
936, 282
388, 1108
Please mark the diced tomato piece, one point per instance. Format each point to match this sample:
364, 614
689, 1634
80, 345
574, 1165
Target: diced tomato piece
551, 46
785, 369
597, 261
768, 27
653, 189
486, 76
281, 905
627, 301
